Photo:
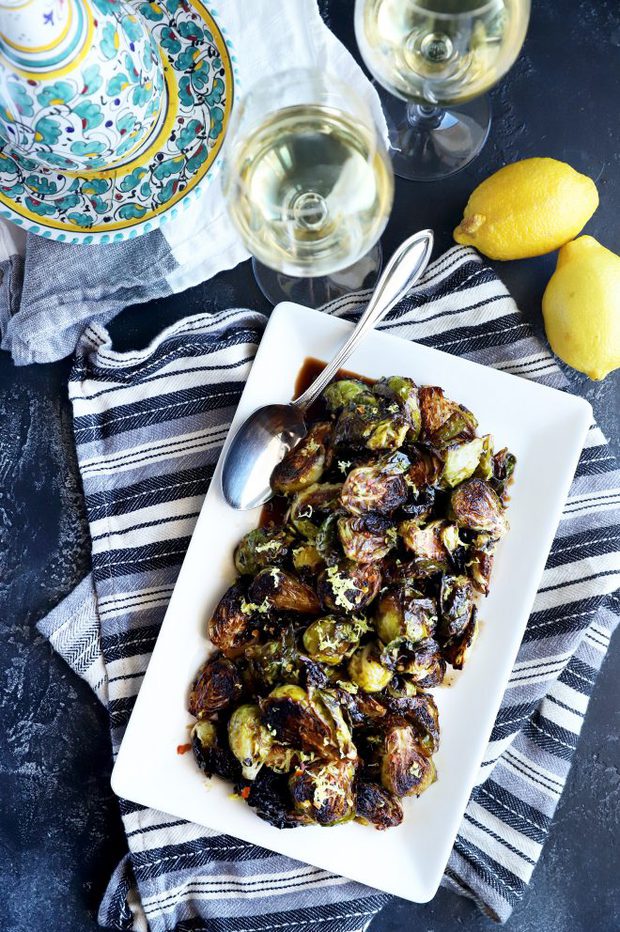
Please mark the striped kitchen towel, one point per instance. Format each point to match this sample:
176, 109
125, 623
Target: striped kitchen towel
149, 426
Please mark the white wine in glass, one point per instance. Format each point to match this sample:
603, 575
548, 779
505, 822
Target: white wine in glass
440, 56
309, 186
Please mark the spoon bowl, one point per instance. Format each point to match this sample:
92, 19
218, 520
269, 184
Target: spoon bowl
266, 436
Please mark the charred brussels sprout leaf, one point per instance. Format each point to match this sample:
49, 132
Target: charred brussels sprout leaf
348, 587
425, 469
217, 686
232, 627
443, 420
249, 740
328, 540
460, 461
212, 754
380, 487
480, 563
305, 463
357, 421
401, 614
309, 508
330, 639
405, 769
307, 559
342, 393
367, 670
403, 393
420, 504
377, 806
269, 795
283, 592
485, 466
262, 547
457, 652
324, 792
503, 467
475, 506
366, 538
273, 662
456, 603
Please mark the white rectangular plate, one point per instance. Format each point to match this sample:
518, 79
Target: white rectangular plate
545, 429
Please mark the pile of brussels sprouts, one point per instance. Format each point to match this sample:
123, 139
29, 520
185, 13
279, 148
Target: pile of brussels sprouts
315, 703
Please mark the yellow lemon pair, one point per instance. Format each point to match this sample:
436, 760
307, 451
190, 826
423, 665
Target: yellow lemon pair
533, 207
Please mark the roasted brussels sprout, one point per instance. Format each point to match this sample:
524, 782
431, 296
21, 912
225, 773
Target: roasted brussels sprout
307, 559
377, 806
348, 587
344, 392
457, 652
330, 639
305, 463
475, 506
217, 686
212, 754
363, 708
367, 670
284, 592
366, 538
296, 719
324, 792
309, 507
405, 769
431, 544
249, 740
456, 603
402, 392
444, 420
421, 662
480, 563
420, 711
399, 613
274, 662
460, 461
262, 547
380, 487
232, 627
389, 432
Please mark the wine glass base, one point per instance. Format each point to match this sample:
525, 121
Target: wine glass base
315, 292
429, 143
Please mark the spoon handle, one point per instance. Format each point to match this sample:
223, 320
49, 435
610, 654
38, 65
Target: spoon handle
402, 271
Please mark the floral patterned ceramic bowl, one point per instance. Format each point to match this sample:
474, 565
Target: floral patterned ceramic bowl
109, 143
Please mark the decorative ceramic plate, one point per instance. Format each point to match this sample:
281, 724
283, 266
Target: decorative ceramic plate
545, 429
145, 189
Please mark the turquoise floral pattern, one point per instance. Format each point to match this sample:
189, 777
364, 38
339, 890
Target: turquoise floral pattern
80, 116
87, 205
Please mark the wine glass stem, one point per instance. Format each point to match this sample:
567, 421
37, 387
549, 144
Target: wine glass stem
428, 115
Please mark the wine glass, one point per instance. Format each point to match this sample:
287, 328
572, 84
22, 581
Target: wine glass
309, 186
439, 56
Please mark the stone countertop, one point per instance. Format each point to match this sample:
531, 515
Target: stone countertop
60, 832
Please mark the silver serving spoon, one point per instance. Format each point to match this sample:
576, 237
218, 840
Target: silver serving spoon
270, 432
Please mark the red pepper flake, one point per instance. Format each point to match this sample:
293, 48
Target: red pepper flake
183, 748
245, 792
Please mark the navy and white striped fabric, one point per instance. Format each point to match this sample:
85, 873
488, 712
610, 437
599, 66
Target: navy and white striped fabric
149, 426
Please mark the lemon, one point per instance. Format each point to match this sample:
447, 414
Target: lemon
526, 209
581, 307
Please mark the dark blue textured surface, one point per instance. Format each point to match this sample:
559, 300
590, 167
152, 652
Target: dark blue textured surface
60, 833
